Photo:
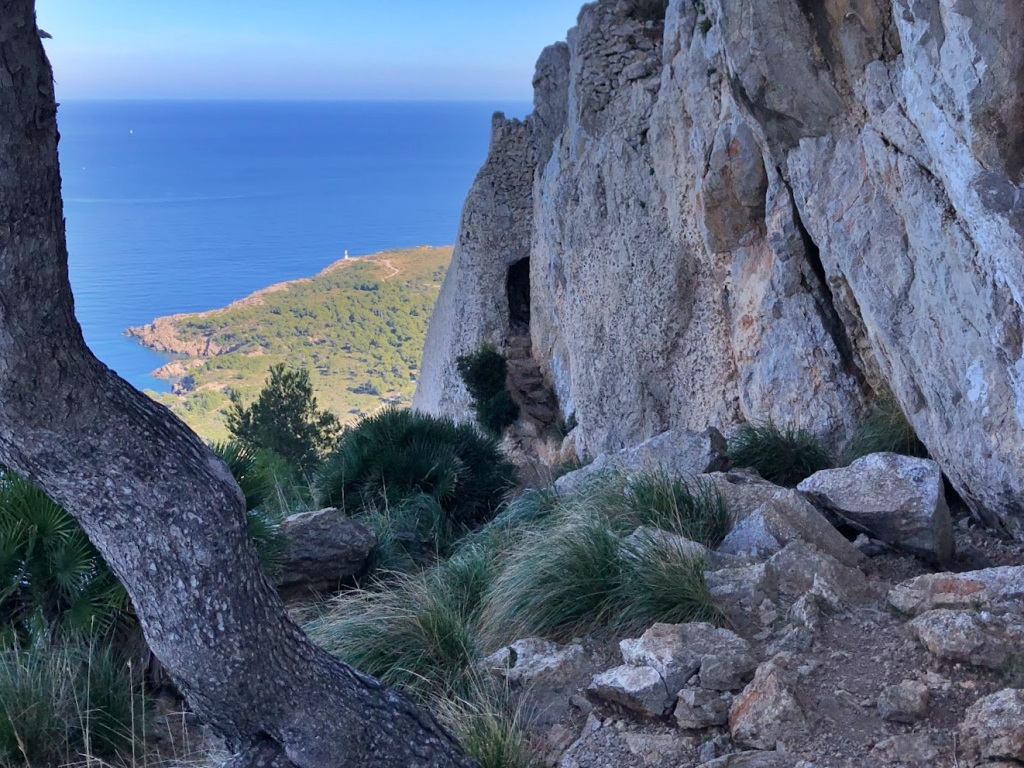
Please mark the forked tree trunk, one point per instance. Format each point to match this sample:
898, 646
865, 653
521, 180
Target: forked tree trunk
165, 513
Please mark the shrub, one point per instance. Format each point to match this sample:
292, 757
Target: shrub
389, 461
60, 702
884, 429
782, 455
285, 419
485, 374
648, 10
51, 576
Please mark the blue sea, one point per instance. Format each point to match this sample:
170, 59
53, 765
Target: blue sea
186, 206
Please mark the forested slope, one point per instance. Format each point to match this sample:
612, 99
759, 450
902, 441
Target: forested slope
358, 326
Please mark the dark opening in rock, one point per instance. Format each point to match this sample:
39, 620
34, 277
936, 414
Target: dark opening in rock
518, 287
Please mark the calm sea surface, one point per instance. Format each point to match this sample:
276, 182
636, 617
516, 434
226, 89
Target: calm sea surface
186, 206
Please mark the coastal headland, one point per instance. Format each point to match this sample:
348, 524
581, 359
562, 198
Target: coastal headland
358, 326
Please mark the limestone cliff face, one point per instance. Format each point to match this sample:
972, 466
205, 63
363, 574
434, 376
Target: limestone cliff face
766, 208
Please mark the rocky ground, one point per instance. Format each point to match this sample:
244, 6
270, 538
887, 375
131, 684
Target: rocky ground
900, 647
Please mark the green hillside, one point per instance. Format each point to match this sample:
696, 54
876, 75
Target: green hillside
358, 326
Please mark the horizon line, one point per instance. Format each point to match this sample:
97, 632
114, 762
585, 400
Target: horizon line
265, 99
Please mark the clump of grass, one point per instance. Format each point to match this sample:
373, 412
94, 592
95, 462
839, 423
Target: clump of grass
556, 582
58, 702
485, 374
884, 429
662, 582
488, 724
782, 455
648, 10
577, 569
694, 509
419, 632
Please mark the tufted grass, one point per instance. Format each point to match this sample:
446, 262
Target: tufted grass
556, 582
691, 508
61, 701
575, 570
884, 429
662, 582
416, 631
489, 725
782, 455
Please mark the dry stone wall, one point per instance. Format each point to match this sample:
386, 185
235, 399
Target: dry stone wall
766, 209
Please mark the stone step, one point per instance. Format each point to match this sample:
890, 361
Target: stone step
527, 381
543, 413
538, 394
526, 367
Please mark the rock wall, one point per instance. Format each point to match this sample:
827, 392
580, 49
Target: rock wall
766, 209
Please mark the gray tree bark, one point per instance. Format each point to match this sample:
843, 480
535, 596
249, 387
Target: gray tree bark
165, 513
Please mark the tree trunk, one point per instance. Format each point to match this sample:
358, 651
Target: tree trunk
165, 513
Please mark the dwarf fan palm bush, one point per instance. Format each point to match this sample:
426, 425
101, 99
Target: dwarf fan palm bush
391, 460
254, 471
51, 576
782, 455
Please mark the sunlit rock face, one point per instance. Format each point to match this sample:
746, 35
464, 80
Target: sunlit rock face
765, 209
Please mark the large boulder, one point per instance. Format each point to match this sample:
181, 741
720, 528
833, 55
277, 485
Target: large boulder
992, 589
323, 549
723, 660
993, 729
769, 710
639, 689
786, 517
678, 453
533, 659
979, 639
897, 499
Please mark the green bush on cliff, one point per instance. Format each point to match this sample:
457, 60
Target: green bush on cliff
390, 461
285, 419
782, 455
485, 374
648, 10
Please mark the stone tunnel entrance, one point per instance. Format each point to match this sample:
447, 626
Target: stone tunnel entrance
518, 291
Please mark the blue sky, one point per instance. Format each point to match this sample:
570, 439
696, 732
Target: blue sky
300, 49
